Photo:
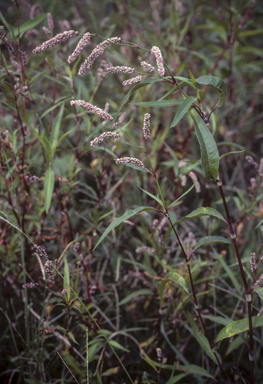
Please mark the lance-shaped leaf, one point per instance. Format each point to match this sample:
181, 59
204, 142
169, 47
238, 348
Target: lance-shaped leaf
194, 369
209, 151
217, 83
212, 239
197, 213
120, 219
48, 187
152, 196
56, 129
200, 337
184, 108
238, 326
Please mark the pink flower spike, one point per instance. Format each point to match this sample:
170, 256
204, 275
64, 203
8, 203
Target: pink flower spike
159, 59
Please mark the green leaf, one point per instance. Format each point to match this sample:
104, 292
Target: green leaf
209, 151
160, 103
259, 224
66, 281
71, 336
175, 278
218, 319
197, 213
134, 89
228, 271
237, 327
259, 292
48, 187
186, 105
176, 378
120, 219
134, 166
211, 239
138, 293
200, 337
29, 25
179, 198
194, 369
217, 83
114, 344
230, 153
56, 128
178, 86
152, 196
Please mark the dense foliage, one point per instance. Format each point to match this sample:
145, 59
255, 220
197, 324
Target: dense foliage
116, 273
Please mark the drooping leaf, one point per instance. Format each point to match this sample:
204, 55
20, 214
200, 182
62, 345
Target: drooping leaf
120, 219
114, 344
237, 327
48, 187
200, 337
186, 105
209, 151
217, 83
230, 153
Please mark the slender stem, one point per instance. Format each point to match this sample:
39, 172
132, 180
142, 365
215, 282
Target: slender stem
247, 290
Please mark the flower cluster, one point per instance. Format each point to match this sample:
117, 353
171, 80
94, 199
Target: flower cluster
82, 44
130, 160
133, 80
159, 59
253, 262
120, 69
97, 51
92, 108
193, 176
146, 126
29, 285
103, 136
148, 67
60, 37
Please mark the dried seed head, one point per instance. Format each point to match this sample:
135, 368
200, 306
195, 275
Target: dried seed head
60, 37
159, 59
97, 51
133, 80
81, 44
146, 126
130, 160
92, 108
103, 136
148, 67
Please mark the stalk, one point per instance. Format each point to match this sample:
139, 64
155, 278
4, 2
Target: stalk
245, 284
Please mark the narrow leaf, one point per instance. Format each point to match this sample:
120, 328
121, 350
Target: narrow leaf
179, 198
212, 239
134, 166
259, 292
194, 369
160, 103
196, 213
217, 83
120, 219
48, 187
66, 284
152, 196
29, 25
56, 128
200, 337
209, 151
237, 327
186, 105
136, 294
230, 153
